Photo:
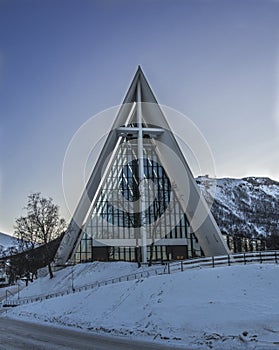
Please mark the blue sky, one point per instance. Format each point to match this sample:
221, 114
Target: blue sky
62, 61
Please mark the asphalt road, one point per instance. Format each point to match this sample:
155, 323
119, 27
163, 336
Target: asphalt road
15, 335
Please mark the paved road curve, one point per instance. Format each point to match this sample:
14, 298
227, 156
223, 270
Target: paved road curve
15, 335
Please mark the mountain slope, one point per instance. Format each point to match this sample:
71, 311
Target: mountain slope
246, 206
6, 242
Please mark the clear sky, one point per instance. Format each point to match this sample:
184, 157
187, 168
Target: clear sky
62, 61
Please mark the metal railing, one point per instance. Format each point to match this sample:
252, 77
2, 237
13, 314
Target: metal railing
172, 267
130, 277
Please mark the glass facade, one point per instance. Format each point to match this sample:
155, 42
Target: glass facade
124, 205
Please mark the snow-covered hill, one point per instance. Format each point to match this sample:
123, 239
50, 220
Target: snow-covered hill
78, 276
7, 243
248, 206
232, 307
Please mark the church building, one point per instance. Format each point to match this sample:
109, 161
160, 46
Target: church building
141, 202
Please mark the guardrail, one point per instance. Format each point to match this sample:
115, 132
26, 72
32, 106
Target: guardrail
172, 267
134, 276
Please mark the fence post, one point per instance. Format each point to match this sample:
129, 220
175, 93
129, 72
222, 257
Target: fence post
244, 258
168, 268
229, 260
261, 260
181, 265
213, 262
276, 261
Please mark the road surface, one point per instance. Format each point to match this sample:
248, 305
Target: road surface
15, 335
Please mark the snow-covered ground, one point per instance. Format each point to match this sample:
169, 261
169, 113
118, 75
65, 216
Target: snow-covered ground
80, 275
233, 307
11, 291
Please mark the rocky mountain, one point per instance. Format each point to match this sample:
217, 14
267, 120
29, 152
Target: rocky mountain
248, 206
8, 244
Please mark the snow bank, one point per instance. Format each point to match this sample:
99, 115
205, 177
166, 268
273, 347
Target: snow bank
79, 275
223, 308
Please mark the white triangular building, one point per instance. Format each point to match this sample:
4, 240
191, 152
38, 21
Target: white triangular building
141, 202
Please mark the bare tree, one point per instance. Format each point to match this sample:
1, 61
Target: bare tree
41, 225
